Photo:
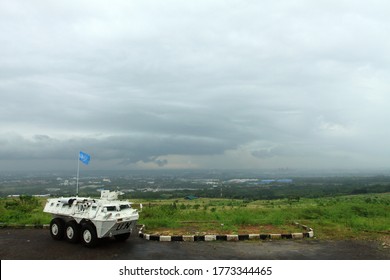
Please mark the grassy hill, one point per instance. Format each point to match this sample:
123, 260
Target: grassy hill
363, 216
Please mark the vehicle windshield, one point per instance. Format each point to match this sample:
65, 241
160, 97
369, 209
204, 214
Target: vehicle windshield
110, 208
124, 206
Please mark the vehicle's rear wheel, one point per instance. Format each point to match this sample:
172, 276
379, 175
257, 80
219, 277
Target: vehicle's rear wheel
72, 231
122, 237
57, 228
88, 235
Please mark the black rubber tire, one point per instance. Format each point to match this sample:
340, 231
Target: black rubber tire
88, 235
122, 237
57, 228
72, 231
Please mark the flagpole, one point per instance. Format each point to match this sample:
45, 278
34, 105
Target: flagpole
78, 172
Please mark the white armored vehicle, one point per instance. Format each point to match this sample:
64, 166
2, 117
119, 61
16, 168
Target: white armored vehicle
89, 219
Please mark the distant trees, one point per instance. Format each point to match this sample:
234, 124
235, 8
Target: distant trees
293, 192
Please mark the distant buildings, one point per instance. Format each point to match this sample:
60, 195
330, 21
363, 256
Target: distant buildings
34, 195
242, 180
270, 181
258, 181
286, 181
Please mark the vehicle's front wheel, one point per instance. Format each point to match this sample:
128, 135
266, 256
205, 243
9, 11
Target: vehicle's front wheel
72, 231
57, 228
88, 235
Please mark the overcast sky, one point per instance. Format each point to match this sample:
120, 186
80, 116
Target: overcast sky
195, 84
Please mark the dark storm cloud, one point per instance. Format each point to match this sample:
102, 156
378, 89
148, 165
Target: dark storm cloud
264, 84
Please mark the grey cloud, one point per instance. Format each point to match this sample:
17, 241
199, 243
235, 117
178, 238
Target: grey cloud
126, 149
263, 153
141, 81
159, 162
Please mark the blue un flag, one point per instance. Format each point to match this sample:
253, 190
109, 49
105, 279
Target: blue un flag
84, 158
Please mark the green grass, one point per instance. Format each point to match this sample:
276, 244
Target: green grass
358, 216
23, 210
343, 217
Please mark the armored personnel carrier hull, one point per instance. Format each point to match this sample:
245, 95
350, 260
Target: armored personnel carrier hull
87, 219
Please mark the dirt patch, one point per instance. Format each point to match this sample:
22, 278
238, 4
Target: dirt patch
385, 242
